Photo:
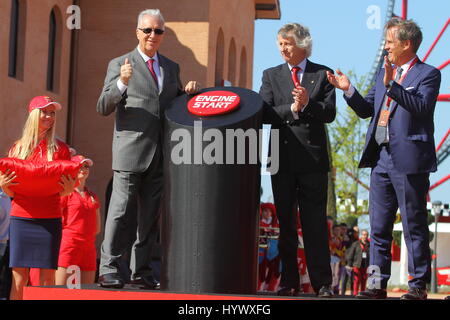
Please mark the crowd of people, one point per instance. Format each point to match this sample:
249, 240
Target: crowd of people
52, 232
349, 255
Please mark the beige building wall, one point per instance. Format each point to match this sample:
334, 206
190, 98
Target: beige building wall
193, 30
190, 40
108, 31
31, 80
235, 19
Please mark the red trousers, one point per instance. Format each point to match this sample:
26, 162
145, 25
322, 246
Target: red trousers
359, 279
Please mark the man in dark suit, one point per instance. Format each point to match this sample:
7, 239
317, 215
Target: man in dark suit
138, 86
298, 102
401, 152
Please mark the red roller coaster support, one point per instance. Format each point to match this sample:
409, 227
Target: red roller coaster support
443, 140
442, 66
436, 41
438, 183
404, 9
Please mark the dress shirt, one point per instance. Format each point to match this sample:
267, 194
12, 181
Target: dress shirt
122, 87
302, 66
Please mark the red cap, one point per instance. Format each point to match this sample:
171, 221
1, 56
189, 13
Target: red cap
42, 102
81, 159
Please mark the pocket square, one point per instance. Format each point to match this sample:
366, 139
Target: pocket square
409, 88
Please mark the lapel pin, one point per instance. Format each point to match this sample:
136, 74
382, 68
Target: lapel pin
312, 81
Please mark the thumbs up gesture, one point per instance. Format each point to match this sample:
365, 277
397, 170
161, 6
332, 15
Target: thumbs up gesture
126, 71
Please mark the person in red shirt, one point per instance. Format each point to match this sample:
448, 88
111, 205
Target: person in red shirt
81, 224
35, 226
358, 261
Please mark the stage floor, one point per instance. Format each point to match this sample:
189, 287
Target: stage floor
130, 292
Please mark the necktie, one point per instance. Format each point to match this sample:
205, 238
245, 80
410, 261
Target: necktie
381, 132
295, 80
152, 71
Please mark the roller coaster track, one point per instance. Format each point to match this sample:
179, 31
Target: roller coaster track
370, 79
443, 149
378, 62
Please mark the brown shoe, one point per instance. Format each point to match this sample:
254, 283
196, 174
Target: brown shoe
372, 294
289, 292
111, 280
415, 294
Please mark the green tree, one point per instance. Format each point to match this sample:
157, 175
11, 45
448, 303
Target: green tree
347, 138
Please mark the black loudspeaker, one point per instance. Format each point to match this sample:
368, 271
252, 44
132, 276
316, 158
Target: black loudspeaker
210, 231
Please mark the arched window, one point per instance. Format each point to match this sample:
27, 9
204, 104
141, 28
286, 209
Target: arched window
232, 62
243, 69
220, 48
54, 50
17, 39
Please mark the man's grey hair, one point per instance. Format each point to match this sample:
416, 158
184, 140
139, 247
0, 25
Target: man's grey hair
406, 30
300, 34
150, 12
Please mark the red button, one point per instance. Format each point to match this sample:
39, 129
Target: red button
213, 103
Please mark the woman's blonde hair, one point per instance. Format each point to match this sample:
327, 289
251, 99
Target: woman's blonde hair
24, 147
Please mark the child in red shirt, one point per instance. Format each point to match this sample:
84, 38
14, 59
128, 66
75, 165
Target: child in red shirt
81, 224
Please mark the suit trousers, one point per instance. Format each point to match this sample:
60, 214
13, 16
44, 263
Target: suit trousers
359, 280
134, 212
309, 191
390, 190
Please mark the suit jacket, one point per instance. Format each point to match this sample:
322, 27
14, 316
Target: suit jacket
303, 142
139, 111
354, 255
411, 126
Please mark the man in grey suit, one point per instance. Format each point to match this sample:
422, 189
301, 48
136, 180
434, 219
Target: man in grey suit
138, 86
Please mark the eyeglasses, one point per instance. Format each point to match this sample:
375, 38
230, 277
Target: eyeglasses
149, 31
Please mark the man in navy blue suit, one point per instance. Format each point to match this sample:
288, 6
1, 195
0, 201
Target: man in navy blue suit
400, 150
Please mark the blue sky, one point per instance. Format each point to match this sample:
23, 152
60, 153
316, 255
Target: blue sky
342, 39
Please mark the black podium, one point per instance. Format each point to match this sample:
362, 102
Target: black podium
210, 226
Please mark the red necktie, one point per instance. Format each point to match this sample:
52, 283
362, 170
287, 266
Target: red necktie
152, 71
295, 80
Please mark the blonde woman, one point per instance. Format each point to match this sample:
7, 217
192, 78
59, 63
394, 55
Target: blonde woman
35, 227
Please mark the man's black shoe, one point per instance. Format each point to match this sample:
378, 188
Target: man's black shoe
415, 294
111, 280
325, 292
372, 294
147, 282
288, 292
